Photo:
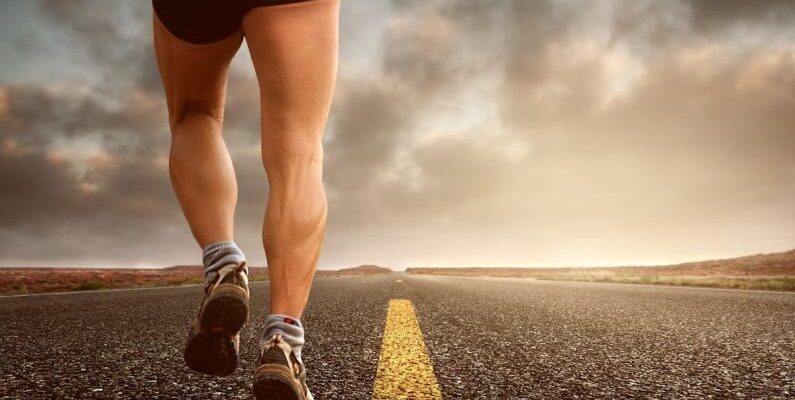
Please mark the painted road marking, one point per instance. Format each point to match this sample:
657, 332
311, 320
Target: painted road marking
404, 368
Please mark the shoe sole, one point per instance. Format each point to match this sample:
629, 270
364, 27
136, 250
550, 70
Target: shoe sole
211, 354
212, 350
273, 382
226, 311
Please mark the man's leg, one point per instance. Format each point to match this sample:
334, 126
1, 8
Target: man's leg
194, 78
294, 51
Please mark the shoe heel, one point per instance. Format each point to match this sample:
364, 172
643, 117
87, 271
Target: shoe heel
226, 310
275, 386
211, 354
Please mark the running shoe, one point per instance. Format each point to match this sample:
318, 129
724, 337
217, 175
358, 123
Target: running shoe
214, 339
280, 374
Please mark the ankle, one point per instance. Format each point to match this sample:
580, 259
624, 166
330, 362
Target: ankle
219, 254
291, 329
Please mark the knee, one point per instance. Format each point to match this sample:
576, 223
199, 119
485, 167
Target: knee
289, 150
186, 109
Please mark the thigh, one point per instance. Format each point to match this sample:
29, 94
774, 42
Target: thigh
194, 75
294, 51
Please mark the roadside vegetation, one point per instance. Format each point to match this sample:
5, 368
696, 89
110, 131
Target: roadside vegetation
774, 271
45, 280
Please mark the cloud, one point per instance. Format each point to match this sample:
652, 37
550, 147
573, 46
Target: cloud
775, 15
632, 128
101, 163
512, 132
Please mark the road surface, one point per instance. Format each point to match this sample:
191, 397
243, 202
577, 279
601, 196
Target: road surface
475, 338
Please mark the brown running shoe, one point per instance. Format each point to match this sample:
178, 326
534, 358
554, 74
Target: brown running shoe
214, 339
280, 374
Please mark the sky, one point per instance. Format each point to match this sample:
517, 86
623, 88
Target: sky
462, 133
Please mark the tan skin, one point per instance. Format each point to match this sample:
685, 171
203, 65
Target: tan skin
294, 51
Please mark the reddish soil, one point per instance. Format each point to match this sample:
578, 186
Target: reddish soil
37, 279
760, 265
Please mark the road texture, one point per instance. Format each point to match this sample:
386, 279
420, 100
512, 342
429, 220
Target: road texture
486, 339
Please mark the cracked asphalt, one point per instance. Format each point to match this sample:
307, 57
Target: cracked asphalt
487, 338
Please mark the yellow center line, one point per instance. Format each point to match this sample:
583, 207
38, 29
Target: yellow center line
404, 368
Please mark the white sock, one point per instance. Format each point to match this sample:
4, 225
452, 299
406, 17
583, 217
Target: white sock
290, 328
219, 254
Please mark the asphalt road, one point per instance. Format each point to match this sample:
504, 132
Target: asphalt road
486, 338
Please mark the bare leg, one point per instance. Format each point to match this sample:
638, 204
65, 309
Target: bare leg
194, 77
294, 51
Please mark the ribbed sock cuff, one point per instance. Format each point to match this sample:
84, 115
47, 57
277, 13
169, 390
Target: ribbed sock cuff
289, 327
218, 254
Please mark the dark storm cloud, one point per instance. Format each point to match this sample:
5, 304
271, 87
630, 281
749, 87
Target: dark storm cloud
95, 23
111, 162
114, 39
371, 120
29, 179
374, 116
89, 159
718, 15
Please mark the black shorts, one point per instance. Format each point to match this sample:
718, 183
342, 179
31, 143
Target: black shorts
207, 21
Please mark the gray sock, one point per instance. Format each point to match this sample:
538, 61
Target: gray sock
219, 254
290, 328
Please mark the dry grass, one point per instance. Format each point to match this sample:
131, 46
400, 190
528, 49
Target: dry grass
762, 271
43, 280
786, 283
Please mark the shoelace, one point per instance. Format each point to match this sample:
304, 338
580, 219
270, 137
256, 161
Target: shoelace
226, 270
278, 341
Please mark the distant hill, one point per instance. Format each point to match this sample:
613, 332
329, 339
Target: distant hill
772, 264
364, 270
774, 271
